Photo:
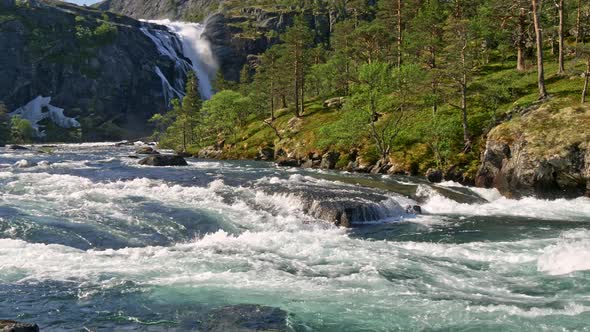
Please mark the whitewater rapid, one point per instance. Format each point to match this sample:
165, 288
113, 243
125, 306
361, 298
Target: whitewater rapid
93, 233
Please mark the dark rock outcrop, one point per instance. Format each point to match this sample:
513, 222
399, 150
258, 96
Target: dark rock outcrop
434, 175
163, 160
12, 326
329, 160
528, 160
342, 206
288, 162
266, 153
107, 82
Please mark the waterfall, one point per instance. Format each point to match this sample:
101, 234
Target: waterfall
184, 42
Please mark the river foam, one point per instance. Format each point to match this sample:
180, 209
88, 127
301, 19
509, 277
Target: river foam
498, 205
215, 234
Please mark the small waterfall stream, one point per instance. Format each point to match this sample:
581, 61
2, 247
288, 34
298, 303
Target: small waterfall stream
184, 42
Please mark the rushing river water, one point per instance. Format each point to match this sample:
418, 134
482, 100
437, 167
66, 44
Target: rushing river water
96, 242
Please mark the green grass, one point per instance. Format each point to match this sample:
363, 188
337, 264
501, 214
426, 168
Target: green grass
558, 123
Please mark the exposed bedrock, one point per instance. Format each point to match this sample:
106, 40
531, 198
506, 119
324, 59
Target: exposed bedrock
342, 206
527, 159
107, 82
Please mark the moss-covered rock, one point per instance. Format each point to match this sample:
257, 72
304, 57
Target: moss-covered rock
545, 152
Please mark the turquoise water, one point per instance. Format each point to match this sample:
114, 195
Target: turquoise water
95, 241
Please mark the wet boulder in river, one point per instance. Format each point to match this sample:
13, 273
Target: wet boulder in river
163, 160
341, 205
12, 326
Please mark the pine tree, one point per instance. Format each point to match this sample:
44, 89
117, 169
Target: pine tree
191, 105
298, 40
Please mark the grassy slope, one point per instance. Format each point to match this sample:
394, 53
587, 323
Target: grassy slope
556, 124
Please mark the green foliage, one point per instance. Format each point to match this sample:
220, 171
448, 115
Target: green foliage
4, 124
21, 130
105, 33
227, 112
421, 83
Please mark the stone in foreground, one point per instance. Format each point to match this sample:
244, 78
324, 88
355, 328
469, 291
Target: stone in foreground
163, 160
12, 326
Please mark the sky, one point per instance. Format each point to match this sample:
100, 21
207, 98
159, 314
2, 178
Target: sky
83, 2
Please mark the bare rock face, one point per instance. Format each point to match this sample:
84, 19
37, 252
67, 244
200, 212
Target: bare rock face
109, 85
160, 9
519, 165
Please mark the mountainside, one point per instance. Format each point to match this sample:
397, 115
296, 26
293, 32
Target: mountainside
177, 10
99, 67
238, 30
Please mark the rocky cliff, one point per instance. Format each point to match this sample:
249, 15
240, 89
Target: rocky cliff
238, 30
545, 152
100, 68
176, 10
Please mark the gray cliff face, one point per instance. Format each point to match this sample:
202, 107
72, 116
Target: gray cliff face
237, 36
176, 10
107, 81
234, 47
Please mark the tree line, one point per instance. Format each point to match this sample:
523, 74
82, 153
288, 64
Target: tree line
390, 60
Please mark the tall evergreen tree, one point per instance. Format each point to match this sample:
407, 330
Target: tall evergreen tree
298, 39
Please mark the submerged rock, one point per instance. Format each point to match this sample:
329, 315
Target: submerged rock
245, 318
163, 160
12, 326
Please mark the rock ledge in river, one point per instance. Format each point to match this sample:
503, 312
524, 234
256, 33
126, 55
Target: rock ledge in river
163, 160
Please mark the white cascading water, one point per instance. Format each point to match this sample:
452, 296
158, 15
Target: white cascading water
186, 40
